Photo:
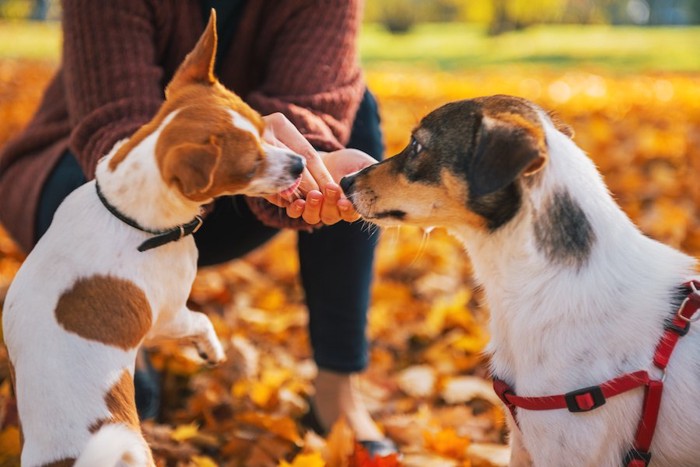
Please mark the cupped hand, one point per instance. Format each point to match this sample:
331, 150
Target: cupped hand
319, 197
280, 132
332, 206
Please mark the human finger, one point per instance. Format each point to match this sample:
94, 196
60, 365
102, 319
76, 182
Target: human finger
284, 131
296, 208
347, 210
312, 208
330, 214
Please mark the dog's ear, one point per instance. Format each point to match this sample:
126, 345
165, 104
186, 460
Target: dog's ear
560, 125
506, 148
192, 166
198, 66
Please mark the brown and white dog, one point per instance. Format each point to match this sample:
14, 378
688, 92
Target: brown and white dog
86, 298
577, 294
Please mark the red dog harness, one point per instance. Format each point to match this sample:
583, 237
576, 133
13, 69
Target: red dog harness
587, 399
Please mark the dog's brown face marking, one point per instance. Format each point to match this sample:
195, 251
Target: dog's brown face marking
563, 231
200, 151
121, 403
105, 309
194, 150
464, 164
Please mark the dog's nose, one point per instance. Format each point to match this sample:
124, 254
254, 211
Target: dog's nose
347, 183
297, 166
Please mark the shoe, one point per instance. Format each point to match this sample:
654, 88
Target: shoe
379, 448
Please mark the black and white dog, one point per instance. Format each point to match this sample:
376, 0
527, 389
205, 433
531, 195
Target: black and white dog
578, 295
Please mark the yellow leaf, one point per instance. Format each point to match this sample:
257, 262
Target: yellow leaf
262, 394
284, 427
203, 461
305, 460
446, 443
185, 432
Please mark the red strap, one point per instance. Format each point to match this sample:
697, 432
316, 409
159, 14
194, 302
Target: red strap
650, 413
584, 398
592, 397
678, 326
501, 388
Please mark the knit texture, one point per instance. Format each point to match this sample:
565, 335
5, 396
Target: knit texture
297, 57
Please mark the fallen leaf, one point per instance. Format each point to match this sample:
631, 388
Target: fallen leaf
461, 389
305, 460
417, 381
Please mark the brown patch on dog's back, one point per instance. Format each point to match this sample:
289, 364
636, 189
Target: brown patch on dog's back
105, 309
121, 403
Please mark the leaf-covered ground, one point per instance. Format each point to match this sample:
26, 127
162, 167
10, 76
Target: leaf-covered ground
427, 382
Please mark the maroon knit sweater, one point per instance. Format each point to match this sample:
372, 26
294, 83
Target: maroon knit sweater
297, 57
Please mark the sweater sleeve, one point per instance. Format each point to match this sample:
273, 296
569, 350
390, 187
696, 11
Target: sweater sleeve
112, 81
312, 73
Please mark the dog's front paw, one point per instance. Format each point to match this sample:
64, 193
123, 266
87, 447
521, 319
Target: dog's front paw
211, 351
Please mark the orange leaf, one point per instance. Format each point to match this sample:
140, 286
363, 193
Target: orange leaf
447, 443
362, 458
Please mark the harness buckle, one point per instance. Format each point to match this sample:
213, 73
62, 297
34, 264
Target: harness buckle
681, 331
693, 296
584, 400
200, 221
635, 458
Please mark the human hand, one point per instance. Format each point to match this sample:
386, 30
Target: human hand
332, 206
322, 172
282, 133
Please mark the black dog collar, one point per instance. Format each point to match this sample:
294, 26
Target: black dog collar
161, 237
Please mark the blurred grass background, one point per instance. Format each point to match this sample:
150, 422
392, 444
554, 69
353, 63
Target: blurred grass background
461, 46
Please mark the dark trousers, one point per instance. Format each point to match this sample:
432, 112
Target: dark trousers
335, 261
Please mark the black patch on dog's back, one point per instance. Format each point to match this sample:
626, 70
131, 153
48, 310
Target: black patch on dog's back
563, 231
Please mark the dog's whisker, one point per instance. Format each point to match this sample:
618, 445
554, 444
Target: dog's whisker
421, 247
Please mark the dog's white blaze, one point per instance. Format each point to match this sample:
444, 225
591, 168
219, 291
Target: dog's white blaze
242, 123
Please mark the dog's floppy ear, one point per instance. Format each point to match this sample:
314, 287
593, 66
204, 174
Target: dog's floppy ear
192, 166
198, 66
507, 147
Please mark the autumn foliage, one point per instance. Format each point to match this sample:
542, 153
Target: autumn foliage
426, 384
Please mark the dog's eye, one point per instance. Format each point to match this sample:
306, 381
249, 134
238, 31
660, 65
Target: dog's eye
416, 147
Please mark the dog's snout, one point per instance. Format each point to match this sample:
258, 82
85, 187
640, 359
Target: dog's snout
297, 165
347, 183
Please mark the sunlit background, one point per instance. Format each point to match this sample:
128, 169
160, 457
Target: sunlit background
624, 73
